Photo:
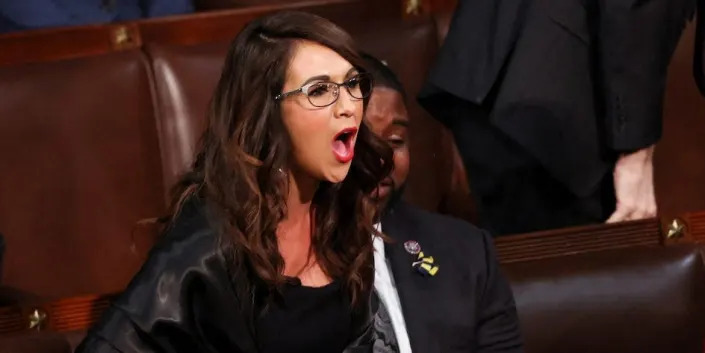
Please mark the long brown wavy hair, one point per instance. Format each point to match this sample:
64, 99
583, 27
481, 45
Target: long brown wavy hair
238, 168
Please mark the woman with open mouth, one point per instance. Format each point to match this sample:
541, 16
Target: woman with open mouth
268, 245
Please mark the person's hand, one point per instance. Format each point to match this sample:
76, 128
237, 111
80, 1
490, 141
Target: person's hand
634, 186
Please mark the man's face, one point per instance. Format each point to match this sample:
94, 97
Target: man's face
387, 117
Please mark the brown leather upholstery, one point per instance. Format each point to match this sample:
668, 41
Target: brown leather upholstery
678, 160
35, 343
80, 165
66, 42
185, 77
642, 299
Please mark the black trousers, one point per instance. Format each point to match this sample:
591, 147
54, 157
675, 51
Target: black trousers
512, 191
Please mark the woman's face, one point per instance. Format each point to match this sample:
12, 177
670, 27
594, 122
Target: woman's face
323, 138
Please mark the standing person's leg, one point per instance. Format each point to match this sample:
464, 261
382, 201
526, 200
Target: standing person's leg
512, 192
528, 199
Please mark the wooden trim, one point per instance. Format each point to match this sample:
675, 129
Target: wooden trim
696, 227
12, 320
65, 43
694, 230
555, 243
78, 313
63, 315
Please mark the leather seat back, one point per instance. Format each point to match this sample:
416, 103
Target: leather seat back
80, 165
185, 77
641, 299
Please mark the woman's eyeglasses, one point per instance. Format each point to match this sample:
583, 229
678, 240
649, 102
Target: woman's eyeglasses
323, 94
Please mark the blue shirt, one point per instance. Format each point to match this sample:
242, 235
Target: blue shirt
18, 15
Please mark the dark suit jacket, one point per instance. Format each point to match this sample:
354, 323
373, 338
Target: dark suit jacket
572, 81
184, 300
467, 306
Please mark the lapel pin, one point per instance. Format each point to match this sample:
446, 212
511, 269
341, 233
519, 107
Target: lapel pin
425, 265
412, 247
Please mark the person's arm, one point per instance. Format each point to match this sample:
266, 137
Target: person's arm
498, 323
636, 40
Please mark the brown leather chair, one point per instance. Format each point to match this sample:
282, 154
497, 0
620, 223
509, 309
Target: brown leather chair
80, 166
679, 170
641, 299
185, 77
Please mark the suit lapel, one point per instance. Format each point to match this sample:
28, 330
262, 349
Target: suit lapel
411, 286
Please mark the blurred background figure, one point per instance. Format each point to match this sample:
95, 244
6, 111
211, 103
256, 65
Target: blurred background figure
31, 14
556, 106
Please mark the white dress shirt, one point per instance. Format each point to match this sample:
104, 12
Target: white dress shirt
387, 292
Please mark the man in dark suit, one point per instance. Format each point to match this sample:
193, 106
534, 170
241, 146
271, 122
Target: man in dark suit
556, 105
437, 280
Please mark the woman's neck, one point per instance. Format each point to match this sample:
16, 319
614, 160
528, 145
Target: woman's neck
302, 189
294, 232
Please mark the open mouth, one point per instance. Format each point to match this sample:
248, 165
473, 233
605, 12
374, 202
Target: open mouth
343, 145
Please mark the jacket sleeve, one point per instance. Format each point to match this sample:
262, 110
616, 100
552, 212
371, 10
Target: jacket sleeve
181, 301
636, 39
498, 323
363, 340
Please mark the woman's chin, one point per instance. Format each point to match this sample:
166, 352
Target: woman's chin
338, 174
